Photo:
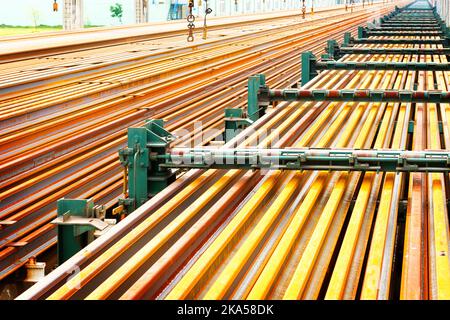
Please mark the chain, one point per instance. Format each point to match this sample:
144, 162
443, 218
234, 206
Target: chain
205, 27
191, 19
303, 9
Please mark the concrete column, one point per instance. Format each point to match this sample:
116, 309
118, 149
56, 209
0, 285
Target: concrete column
73, 15
141, 7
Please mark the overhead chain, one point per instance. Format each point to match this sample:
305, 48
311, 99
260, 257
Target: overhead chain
205, 27
191, 19
303, 9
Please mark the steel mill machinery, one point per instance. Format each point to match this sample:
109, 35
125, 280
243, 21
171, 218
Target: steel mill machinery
350, 202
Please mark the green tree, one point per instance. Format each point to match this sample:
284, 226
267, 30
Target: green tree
116, 11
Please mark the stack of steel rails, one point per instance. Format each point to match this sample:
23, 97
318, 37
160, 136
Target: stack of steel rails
302, 234
60, 134
42, 45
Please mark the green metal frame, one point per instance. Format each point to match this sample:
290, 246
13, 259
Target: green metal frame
308, 159
369, 33
443, 41
335, 52
309, 71
355, 95
234, 123
145, 178
77, 220
255, 109
72, 238
310, 66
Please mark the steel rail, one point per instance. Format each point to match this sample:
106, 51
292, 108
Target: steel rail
318, 236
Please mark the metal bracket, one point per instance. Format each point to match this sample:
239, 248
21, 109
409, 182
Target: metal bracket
234, 122
255, 108
69, 220
76, 222
145, 177
309, 70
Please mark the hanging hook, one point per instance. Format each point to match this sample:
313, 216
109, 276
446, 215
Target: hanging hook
190, 19
205, 27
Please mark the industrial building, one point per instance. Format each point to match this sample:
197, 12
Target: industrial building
228, 150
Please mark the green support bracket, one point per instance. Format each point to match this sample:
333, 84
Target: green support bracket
405, 28
145, 177
403, 51
362, 32
332, 50
372, 65
444, 41
309, 70
356, 95
347, 39
76, 221
234, 122
370, 33
411, 126
255, 109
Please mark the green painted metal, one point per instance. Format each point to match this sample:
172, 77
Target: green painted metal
309, 159
347, 39
332, 51
255, 110
362, 32
310, 66
371, 65
369, 33
145, 178
405, 28
444, 41
351, 50
73, 238
394, 24
234, 123
356, 95
309, 71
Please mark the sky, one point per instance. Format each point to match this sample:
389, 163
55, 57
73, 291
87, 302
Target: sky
96, 12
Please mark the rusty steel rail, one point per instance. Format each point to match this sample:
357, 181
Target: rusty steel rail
70, 131
318, 234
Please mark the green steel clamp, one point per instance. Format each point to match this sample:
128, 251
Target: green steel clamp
255, 108
310, 66
348, 39
234, 122
443, 41
309, 70
362, 32
76, 222
332, 50
340, 51
145, 177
